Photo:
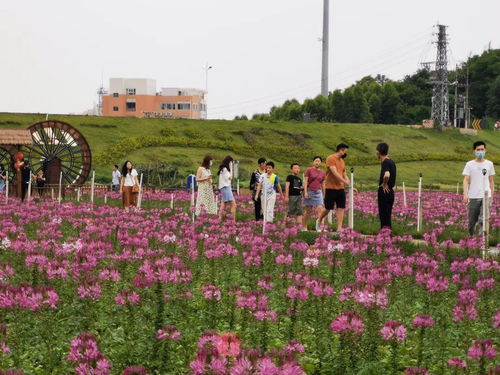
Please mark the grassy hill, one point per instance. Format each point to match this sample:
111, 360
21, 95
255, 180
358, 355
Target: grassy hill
440, 156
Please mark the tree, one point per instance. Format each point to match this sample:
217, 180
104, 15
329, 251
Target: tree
483, 71
337, 109
390, 104
493, 106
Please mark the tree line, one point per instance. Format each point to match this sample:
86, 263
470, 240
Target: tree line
381, 100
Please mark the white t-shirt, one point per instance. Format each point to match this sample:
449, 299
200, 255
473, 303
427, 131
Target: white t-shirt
116, 177
474, 170
224, 178
129, 179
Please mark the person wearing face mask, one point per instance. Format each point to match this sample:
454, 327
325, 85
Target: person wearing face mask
475, 186
387, 180
205, 200
335, 182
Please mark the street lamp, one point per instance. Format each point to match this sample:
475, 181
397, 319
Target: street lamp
207, 68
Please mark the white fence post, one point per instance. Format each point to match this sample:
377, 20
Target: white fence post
6, 186
351, 201
92, 187
404, 195
419, 204
485, 214
139, 198
59, 195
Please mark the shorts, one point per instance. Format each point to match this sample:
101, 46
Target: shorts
335, 198
295, 205
227, 194
315, 198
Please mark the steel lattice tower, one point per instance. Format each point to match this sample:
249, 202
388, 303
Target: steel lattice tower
440, 99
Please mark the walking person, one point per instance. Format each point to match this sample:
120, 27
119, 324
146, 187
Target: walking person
386, 183
129, 185
269, 185
478, 180
3, 177
225, 177
335, 182
254, 182
314, 186
293, 194
115, 178
205, 199
40, 182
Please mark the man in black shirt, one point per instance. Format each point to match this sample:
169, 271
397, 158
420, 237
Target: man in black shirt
386, 184
254, 182
293, 193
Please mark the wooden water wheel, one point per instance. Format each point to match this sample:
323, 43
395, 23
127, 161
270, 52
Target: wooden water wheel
58, 147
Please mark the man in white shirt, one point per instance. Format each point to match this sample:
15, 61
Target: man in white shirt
478, 178
115, 179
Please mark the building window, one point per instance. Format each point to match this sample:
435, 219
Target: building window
131, 107
116, 109
184, 106
179, 93
168, 106
116, 95
203, 107
196, 107
130, 91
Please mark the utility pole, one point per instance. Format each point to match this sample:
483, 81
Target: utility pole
455, 112
440, 97
466, 107
325, 43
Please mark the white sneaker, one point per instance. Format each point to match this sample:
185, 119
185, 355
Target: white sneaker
318, 226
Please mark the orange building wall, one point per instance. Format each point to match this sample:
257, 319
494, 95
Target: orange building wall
151, 104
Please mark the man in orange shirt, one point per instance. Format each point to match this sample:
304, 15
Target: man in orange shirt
335, 183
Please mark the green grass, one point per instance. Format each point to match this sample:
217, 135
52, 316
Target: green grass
283, 142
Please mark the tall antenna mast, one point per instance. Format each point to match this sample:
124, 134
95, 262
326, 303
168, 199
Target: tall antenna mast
101, 92
325, 42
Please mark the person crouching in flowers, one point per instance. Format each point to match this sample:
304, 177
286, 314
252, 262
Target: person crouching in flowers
205, 199
129, 185
225, 176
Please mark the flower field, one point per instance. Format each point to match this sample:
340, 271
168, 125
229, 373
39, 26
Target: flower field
91, 289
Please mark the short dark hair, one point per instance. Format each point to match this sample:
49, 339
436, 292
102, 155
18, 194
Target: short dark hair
317, 157
270, 163
293, 165
261, 160
341, 146
116, 166
383, 148
478, 143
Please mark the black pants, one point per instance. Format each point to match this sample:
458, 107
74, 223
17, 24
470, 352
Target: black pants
24, 190
258, 208
385, 203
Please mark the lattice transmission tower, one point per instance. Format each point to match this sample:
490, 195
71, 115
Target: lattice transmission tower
440, 113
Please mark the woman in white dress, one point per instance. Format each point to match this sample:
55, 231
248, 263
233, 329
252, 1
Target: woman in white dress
205, 200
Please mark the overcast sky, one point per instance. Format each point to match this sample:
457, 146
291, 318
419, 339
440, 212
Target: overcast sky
54, 53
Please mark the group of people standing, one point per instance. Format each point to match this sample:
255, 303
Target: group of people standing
316, 193
24, 169
206, 198
320, 191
